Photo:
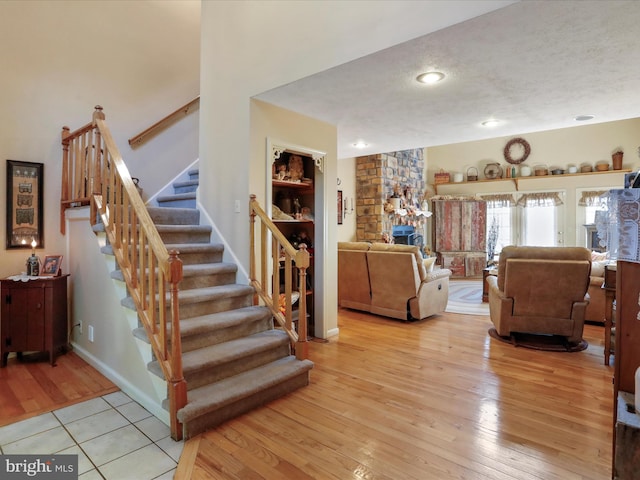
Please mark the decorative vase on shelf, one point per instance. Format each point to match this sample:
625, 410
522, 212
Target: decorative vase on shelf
617, 160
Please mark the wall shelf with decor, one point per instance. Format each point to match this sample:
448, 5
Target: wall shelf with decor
445, 188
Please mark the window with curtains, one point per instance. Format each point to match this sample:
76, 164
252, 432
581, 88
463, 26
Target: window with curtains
524, 219
540, 219
500, 218
593, 201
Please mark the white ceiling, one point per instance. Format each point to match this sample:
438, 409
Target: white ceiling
534, 65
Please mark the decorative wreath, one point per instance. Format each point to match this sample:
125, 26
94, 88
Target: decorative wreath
516, 141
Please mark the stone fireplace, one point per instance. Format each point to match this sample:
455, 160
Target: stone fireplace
376, 177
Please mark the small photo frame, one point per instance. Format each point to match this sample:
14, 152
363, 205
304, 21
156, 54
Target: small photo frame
51, 266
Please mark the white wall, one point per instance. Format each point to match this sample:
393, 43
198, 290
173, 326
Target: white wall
348, 185
60, 59
95, 302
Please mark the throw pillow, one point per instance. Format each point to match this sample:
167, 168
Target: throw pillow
597, 268
599, 256
428, 263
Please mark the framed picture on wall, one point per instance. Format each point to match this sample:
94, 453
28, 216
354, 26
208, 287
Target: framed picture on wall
340, 212
25, 213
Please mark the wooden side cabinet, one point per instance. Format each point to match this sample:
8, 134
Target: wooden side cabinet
626, 440
33, 317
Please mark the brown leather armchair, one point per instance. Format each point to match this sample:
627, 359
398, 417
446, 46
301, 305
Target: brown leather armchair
541, 290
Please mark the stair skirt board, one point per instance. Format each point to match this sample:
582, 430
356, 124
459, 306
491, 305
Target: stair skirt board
234, 360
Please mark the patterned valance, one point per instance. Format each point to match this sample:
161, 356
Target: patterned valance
463, 198
540, 199
594, 198
499, 200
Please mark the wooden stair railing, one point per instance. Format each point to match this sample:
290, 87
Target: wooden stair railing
281, 252
94, 173
167, 121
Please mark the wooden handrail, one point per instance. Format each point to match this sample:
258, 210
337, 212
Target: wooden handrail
167, 121
94, 172
281, 252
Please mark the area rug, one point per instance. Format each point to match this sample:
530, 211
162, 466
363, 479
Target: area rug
465, 296
551, 343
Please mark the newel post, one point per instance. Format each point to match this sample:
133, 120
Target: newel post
252, 244
96, 181
64, 188
302, 263
177, 385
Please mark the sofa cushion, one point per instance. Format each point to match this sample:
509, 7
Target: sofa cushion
354, 246
414, 249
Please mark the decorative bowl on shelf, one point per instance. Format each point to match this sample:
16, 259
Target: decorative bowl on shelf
540, 170
602, 166
557, 171
586, 169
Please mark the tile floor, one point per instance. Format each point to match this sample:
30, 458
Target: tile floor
113, 436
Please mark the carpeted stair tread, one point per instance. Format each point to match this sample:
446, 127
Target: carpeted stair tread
222, 320
195, 295
177, 196
181, 248
204, 324
208, 269
186, 183
174, 215
233, 389
182, 228
185, 248
194, 270
227, 352
205, 294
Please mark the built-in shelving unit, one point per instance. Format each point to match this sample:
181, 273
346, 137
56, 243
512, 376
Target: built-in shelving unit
296, 199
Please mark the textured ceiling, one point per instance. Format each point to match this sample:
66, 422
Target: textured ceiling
534, 65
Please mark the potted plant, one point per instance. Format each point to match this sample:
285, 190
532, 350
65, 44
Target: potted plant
616, 158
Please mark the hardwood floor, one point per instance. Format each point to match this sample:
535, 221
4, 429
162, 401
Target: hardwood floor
435, 399
32, 386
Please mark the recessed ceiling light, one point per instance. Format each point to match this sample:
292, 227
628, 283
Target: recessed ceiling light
360, 145
430, 77
491, 123
584, 118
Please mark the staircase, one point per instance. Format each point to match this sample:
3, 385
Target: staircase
233, 358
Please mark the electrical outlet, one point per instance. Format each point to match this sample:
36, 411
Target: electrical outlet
90, 333
237, 206
80, 327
